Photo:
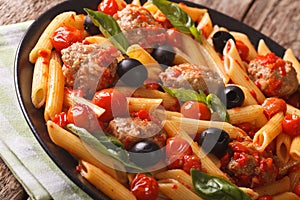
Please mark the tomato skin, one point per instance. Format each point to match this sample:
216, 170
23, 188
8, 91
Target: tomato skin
64, 36
291, 125
61, 119
189, 162
195, 110
176, 149
83, 116
273, 105
144, 187
296, 189
109, 7
113, 101
242, 49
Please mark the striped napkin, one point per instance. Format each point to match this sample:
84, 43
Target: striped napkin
20, 150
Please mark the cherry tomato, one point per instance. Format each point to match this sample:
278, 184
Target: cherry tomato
109, 7
242, 49
189, 162
83, 116
268, 197
195, 110
64, 36
144, 187
113, 101
291, 125
176, 149
61, 119
273, 105
294, 99
297, 189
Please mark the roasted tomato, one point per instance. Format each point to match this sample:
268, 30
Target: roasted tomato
144, 187
273, 105
189, 162
64, 36
291, 125
109, 7
195, 110
296, 189
83, 116
61, 119
113, 101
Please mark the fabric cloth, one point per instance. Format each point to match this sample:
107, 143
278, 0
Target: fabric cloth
20, 150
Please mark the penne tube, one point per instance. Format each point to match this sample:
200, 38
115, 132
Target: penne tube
195, 13
286, 196
295, 148
40, 81
249, 99
177, 174
245, 39
77, 148
55, 88
262, 48
44, 43
282, 185
147, 104
232, 51
176, 191
292, 110
245, 114
294, 176
289, 56
283, 143
205, 25
266, 134
104, 182
260, 121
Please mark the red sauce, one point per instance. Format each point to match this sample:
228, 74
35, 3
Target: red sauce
174, 186
43, 53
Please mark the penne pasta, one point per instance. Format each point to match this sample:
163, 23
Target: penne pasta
205, 25
289, 56
285, 196
262, 48
137, 104
282, 185
266, 134
245, 114
283, 144
104, 182
295, 148
245, 39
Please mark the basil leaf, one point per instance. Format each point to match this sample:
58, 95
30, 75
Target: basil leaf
109, 28
217, 106
215, 188
186, 94
178, 18
104, 145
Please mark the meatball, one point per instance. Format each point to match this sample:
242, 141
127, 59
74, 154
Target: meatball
132, 130
189, 76
139, 26
89, 67
273, 75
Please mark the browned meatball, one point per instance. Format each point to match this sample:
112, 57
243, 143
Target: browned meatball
89, 67
273, 75
139, 26
189, 76
132, 130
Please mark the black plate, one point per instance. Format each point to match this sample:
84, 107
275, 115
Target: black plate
24, 69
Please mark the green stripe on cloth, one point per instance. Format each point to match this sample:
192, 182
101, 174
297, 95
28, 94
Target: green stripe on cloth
20, 150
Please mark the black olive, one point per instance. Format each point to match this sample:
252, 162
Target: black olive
90, 27
145, 153
220, 39
214, 140
132, 72
234, 96
164, 55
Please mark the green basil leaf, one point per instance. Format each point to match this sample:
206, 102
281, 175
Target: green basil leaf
104, 145
215, 188
186, 94
109, 28
217, 106
178, 18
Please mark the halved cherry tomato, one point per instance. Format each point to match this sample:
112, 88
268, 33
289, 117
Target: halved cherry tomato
195, 110
176, 149
109, 7
273, 105
189, 162
144, 187
64, 36
83, 116
242, 49
296, 189
113, 101
61, 119
291, 125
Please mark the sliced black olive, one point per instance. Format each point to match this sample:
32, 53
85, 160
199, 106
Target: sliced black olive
90, 27
164, 55
220, 39
215, 141
145, 153
132, 72
234, 96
